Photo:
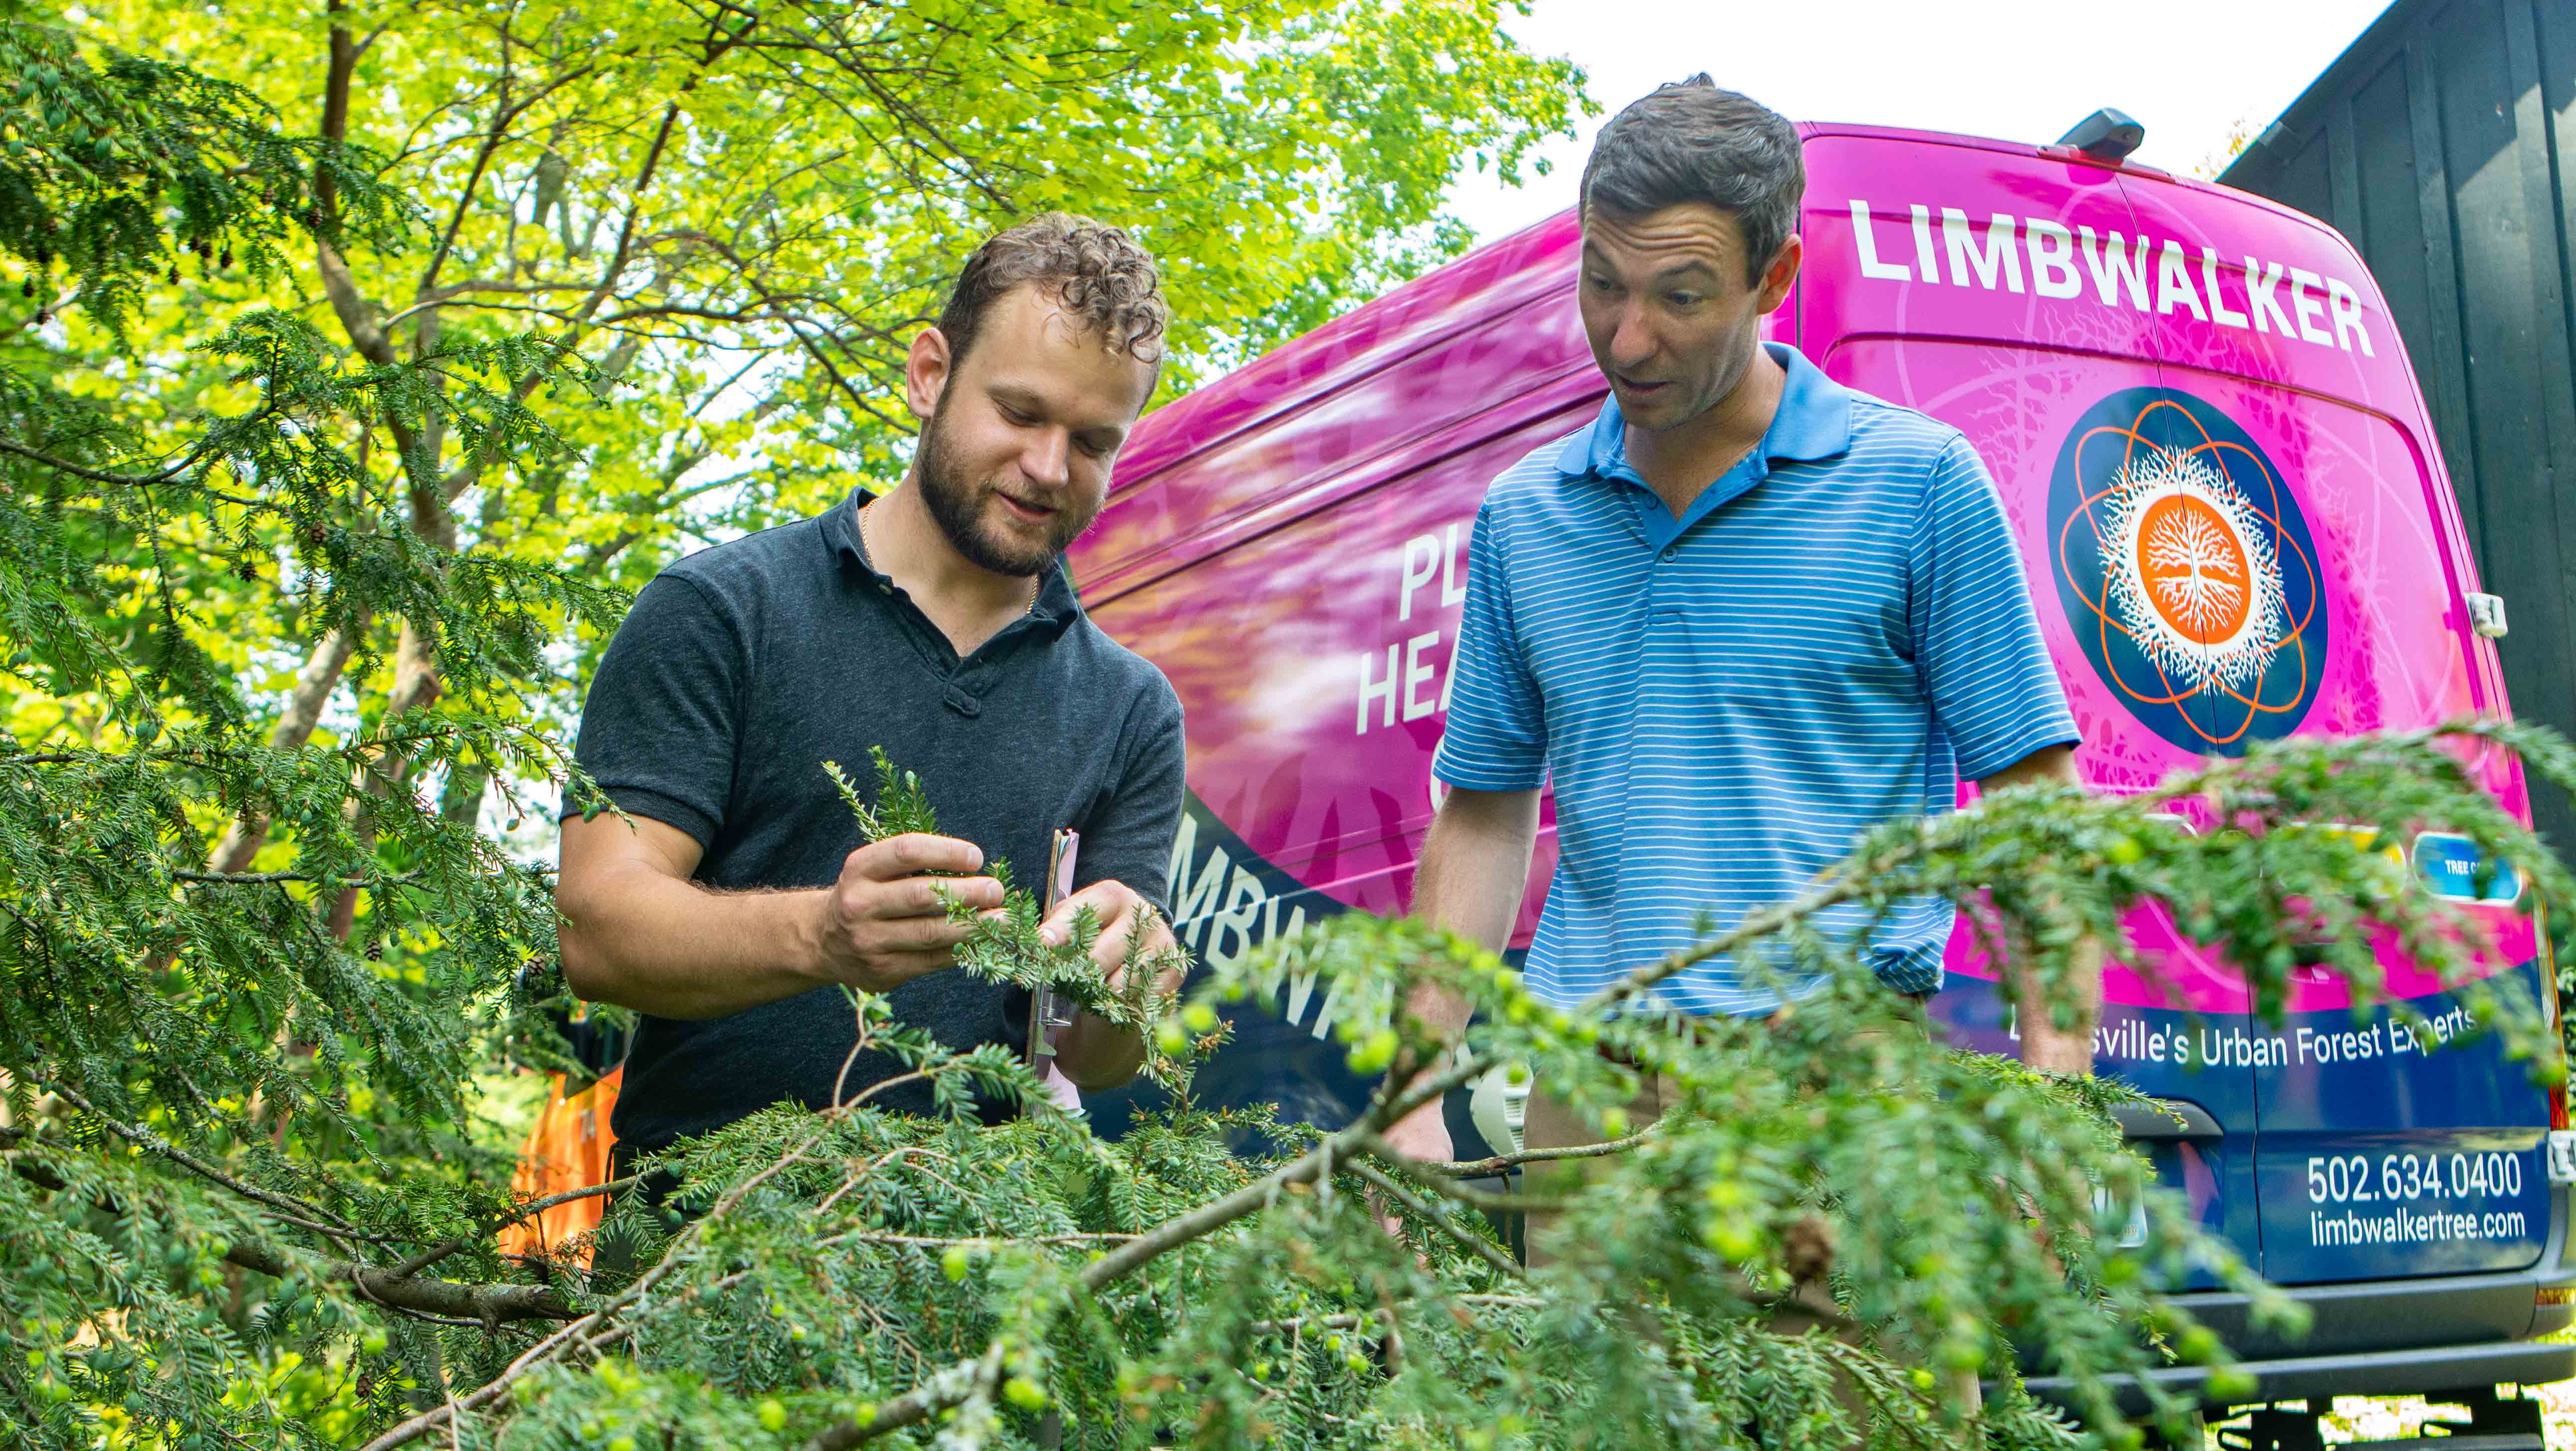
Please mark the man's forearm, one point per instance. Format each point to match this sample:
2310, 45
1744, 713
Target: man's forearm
674, 949
2077, 995
1472, 873
2056, 1020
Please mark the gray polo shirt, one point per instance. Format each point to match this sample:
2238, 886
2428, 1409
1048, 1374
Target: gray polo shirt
742, 668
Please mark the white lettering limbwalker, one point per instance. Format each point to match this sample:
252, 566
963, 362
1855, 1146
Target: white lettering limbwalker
2144, 274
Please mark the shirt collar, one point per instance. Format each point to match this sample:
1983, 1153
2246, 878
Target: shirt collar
1057, 603
1813, 423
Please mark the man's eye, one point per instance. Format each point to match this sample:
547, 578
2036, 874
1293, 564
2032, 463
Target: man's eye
1092, 447
1014, 417
1601, 284
1682, 299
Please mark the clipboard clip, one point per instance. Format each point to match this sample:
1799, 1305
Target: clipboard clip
1049, 1012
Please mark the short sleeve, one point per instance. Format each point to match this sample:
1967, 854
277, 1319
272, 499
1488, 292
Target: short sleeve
1128, 839
659, 729
1977, 645
1496, 739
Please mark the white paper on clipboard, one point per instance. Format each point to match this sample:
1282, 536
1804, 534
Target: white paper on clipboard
1049, 1015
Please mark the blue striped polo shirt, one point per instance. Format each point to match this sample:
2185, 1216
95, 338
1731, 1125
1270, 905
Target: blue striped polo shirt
1831, 636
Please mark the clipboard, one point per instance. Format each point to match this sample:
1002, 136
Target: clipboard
1049, 1013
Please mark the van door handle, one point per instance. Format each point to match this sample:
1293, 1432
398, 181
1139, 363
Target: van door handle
2165, 1118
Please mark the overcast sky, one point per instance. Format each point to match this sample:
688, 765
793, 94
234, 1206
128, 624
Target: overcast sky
2024, 70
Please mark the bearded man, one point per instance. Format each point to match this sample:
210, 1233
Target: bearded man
732, 900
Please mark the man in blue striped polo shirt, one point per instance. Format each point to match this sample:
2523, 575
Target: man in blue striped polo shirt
1743, 616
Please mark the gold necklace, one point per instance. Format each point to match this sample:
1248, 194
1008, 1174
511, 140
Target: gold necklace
868, 547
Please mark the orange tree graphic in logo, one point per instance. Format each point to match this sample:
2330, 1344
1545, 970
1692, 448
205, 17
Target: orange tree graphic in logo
2187, 570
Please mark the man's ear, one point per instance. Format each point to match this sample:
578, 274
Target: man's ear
1783, 271
925, 372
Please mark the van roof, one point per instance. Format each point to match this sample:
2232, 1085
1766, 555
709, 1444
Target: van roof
1499, 277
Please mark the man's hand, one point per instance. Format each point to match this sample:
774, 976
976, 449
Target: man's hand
1474, 866
1120, 911
885, 922
1423, 1134
1093, 1053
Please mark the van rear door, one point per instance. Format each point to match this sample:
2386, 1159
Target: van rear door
2376, 1156
1985, 284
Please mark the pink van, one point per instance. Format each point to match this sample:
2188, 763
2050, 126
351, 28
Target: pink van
2236, 526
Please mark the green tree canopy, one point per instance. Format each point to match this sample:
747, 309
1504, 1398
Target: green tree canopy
360, 359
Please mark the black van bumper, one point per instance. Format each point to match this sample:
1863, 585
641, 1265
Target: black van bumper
2394, 1337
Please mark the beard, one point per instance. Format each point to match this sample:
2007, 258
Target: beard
962, 507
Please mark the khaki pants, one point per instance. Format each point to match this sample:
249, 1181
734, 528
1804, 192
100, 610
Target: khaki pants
1550, 1124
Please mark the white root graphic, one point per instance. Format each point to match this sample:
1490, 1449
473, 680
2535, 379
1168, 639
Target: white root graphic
2198, 588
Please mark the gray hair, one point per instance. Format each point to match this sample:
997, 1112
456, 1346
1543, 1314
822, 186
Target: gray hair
1692, 142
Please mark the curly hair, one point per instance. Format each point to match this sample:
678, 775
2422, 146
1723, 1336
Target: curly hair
1094, 270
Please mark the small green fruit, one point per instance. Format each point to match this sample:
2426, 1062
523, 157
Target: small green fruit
1024, 1393
953, 1264
1373, 1053
773, 1417
2230, 1384
1199, 1018
1731, 1238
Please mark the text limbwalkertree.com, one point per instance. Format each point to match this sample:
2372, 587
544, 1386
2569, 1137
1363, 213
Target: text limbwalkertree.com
2407, 1226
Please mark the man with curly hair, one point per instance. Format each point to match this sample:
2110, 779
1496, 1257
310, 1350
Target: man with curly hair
732, 901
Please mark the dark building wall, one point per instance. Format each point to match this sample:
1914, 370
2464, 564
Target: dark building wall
2439, 144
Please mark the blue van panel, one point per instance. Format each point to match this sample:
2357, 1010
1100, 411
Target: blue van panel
2384, 1154
2170, 1055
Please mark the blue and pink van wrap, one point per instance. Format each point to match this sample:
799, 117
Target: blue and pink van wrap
2236, 526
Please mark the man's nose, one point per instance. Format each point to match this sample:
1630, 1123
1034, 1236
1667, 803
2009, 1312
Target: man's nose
1044, 459
1632, 343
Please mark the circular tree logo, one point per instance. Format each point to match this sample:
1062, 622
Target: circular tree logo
2187, 571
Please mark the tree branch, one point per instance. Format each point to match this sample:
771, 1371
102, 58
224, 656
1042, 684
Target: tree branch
144, 1138
261, 879
529, 1210
487, 1305
1459, 1234
1499, 1163
101, 476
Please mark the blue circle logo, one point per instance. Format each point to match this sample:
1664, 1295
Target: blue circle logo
2187, 571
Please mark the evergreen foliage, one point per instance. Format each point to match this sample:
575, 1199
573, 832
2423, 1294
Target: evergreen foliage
1006, 946
261, 954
